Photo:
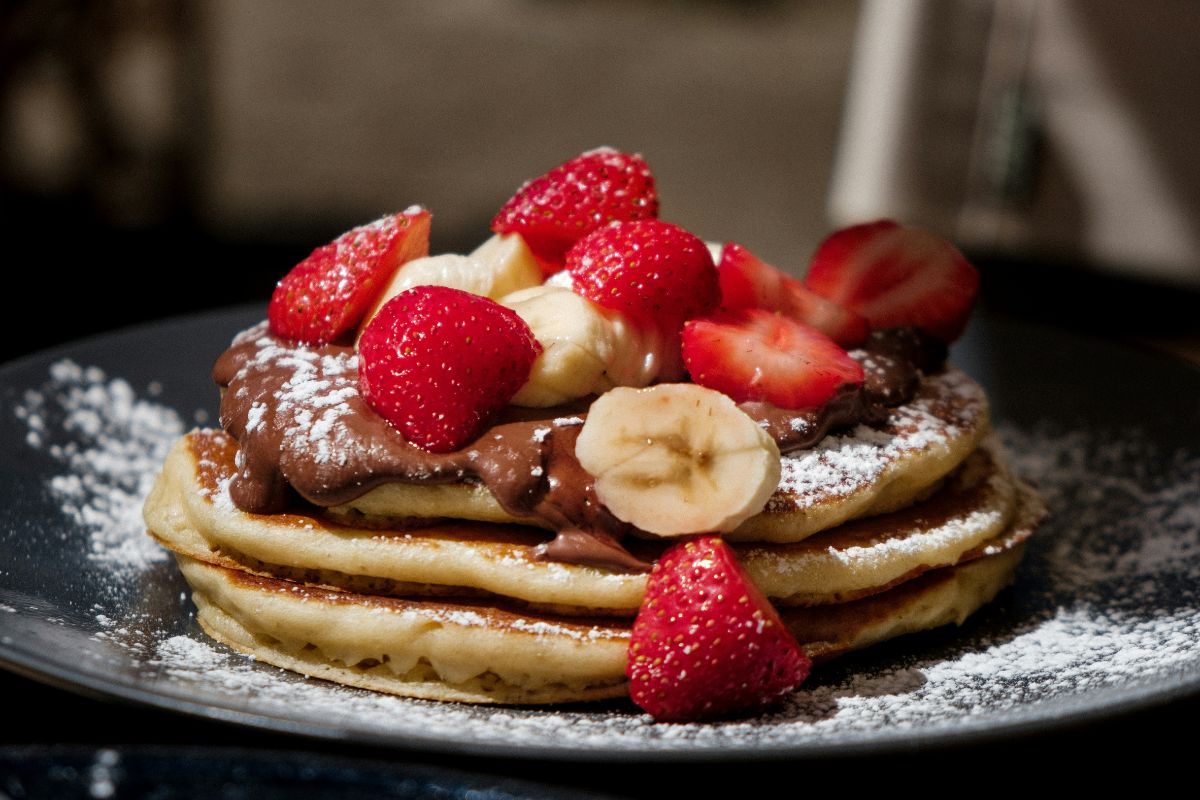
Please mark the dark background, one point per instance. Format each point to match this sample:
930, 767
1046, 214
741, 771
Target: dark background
158, 159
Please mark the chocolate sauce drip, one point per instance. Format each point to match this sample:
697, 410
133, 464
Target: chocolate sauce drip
300, 422
909, 345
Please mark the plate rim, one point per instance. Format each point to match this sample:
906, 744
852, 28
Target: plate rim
1044, 717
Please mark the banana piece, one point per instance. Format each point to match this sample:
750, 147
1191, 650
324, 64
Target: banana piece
677, 459
508, 258
586, 349
578, 344
715, 249
499, 266
561, 278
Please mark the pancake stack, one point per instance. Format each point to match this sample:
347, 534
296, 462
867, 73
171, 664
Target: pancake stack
448, 477
873, 533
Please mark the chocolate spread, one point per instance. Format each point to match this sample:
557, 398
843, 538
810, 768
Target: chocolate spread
302, 426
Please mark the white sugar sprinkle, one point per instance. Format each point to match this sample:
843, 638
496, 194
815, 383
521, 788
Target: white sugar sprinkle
845, 463
111, 445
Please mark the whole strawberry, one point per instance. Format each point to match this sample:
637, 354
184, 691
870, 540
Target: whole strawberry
438, 363
706, 642
327, 294
554, 211
651, 270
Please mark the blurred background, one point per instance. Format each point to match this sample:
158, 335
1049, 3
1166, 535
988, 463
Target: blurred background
158, 158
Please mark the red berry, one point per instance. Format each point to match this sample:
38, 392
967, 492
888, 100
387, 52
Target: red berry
438, 363
751, 354
570, 201
329, 293
651, 270
748, 282
896, 276
706, 642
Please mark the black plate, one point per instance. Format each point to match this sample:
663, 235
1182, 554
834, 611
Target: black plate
1104, 616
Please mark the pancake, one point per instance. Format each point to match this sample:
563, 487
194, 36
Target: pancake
190, 512
480, 653
861, 472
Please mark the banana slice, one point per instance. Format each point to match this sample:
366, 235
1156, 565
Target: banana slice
578, 344
677, 459
586, 349
511, 261
499, 266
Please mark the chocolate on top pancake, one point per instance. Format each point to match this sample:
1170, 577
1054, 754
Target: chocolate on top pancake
191, 513
861, 471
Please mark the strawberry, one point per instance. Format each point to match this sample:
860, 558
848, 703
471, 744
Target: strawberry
651, 270
438, 363
706, 642
328, 293
752, 354
749, 282
896, 276
554, 211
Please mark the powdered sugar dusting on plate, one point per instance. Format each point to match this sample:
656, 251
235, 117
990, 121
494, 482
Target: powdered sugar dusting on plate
110, 444
1108, 600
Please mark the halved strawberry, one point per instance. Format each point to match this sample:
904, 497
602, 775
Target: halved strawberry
749, 282
706, 642
438, 363
328, 293
896, 276
751, 354
557, 209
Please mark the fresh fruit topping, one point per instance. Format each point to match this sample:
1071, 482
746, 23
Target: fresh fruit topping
751, 354
749, 282
653, 271
508, 257
500, 266
677, 459
327, 294
585, 349
577, 345
896, 276
706, 642
554, 211
438, 362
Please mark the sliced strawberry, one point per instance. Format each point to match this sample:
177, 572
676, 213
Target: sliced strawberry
556, 210
749, 282
706, 642
751, 354
651, 270
438, 363
896, 276
328, 293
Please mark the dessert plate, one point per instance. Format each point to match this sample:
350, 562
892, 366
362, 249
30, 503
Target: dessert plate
1104, 616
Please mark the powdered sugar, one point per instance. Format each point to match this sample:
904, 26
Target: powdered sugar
312, 404
111, 445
